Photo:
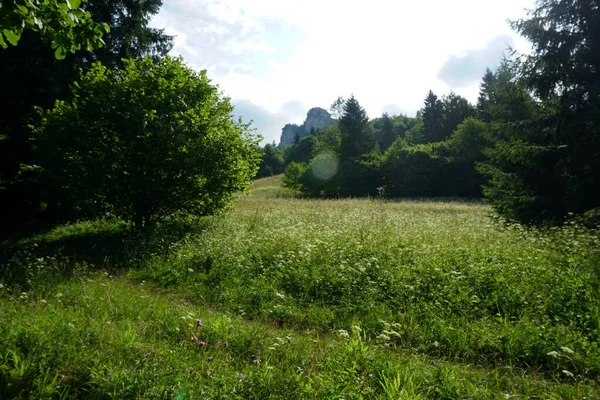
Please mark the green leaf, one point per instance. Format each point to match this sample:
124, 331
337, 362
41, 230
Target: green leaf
11, 36
2, 42
60, 53
75, 3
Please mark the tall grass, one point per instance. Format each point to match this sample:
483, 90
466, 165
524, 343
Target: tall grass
337, 299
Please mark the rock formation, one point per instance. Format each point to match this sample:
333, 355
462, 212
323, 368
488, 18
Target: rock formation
316, 118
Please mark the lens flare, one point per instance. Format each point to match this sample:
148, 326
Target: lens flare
324, 166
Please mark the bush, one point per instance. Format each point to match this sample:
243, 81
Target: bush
445, 168
143, 143
293, 173
414, 171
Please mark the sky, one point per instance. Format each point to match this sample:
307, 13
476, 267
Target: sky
276, 59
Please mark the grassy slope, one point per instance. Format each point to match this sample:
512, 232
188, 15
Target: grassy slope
344, 299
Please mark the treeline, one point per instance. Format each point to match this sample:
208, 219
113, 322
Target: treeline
397, 156
96, 119
530, 146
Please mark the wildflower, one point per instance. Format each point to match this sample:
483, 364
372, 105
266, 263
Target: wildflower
567, 350
568, 373
201, 342
199, 322
240, 374
144, 360
209, 358
256, 361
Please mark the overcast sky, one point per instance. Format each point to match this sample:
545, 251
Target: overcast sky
278, 58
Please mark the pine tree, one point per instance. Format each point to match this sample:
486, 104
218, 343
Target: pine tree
564, 72
359, 174
432, 114
485, 96
385, 132
522, 182
357, 137
548, 164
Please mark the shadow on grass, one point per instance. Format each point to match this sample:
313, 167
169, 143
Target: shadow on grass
112, 246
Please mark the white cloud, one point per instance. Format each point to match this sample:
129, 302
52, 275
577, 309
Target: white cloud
389, 54
464, 70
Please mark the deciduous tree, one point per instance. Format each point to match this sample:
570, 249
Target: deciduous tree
144, 142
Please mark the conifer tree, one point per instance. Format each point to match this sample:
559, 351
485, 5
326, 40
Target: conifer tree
432, 114
357, 137
385, 133
548, 164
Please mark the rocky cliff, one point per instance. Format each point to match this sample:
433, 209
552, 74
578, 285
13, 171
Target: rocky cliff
316, 118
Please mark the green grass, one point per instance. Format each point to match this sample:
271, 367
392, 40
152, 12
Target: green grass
337, 299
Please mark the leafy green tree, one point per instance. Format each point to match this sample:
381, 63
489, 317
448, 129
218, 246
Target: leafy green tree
272, 161
66, 25
145, 142
414, 171
466, 148
435, 169
299, 152
327, 141
469, 140
337, 108
31, 76
415, 133
455, 110
293, 175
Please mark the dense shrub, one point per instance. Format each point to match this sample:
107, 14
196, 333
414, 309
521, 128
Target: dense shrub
144, 142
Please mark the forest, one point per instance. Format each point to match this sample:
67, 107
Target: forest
151, 247
529, 146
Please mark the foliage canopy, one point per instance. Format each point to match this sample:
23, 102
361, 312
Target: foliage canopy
145, 142
65, 24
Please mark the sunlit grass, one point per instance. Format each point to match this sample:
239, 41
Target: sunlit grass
405, 299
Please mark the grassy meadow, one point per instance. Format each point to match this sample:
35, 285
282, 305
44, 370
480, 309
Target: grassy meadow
298, 299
